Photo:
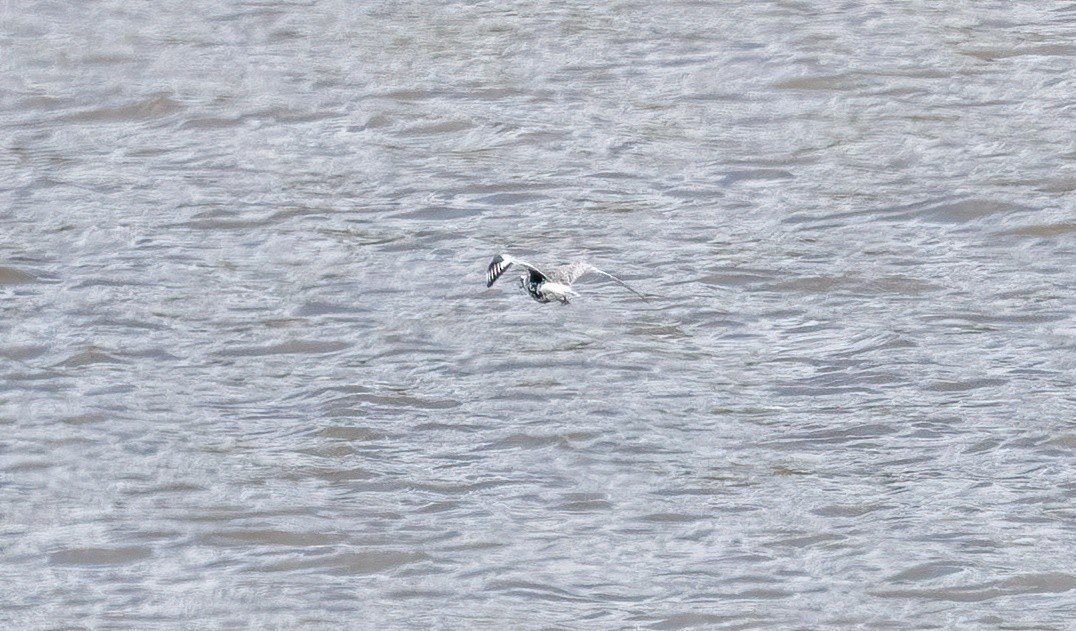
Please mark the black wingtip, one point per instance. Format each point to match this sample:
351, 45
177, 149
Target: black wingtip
495, 269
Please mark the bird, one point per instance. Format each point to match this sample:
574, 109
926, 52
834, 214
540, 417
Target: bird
554, 286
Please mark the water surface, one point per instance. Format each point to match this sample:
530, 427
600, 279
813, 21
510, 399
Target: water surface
251, 376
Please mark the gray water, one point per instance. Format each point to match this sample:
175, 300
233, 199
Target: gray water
251, 376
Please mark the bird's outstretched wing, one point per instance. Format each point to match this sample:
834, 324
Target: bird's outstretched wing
571, 272
579, 268
500, 265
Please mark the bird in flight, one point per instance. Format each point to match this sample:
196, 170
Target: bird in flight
554, 286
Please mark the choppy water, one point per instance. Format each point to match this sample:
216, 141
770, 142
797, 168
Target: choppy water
251, 377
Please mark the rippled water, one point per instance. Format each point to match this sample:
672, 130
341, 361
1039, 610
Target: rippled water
252, 376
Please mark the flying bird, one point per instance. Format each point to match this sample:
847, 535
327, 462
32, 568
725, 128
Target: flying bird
554, 286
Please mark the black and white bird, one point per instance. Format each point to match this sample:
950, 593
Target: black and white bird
554, 286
